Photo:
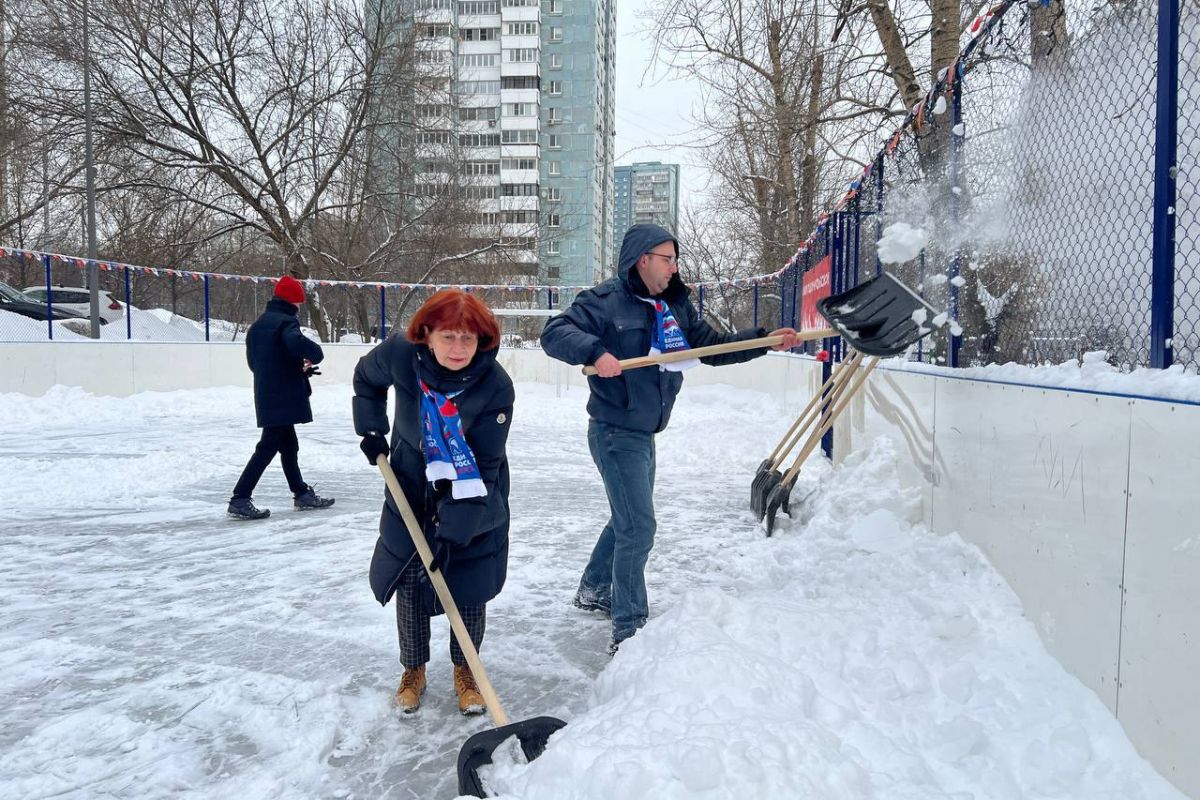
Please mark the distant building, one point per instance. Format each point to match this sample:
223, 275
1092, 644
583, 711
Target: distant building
578, 80
519, 95
645, 192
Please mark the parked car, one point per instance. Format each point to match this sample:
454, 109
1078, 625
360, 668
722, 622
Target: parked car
79, 300
18, 303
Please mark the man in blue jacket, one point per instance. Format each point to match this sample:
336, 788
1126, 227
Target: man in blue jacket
282, 359
644, 309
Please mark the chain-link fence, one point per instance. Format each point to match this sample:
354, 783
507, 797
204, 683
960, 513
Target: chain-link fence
1036, 178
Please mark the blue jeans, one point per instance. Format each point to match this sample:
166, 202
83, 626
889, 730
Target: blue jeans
616, 570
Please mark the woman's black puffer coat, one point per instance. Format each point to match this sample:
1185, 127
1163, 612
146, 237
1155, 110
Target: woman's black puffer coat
475, 528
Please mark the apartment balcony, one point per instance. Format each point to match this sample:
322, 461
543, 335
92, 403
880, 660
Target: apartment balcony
509, 69
520, 150
526, 203
520, 96
521, 13
519, 176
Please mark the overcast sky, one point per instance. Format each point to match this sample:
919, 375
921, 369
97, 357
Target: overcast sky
654, 113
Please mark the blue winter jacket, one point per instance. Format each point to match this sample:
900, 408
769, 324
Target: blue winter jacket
610, 318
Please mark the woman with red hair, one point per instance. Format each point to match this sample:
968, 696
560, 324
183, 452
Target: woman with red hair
453, 410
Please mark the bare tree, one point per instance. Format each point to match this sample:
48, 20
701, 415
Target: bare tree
248, 109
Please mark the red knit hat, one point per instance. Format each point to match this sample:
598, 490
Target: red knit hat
289, 289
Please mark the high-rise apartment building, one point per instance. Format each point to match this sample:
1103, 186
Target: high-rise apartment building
646, 191
579, 85
522, 92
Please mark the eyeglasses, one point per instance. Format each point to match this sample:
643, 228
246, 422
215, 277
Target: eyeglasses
670, 259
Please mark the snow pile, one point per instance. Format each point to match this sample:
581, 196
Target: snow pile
854, 656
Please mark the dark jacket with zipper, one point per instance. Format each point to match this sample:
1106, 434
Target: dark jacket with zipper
476, 528
275, 351
611, 319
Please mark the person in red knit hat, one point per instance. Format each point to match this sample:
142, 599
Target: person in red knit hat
282, 360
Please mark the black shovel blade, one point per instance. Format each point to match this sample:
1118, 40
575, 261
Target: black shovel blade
759, 500
764, 469
881, 317
477, 751
777, 500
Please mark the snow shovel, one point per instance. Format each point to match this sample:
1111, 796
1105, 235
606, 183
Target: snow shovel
769, 475
713, 350
781, 494
880, 317
532, 734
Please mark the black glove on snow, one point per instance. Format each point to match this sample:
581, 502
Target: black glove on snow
374, 445
310, 371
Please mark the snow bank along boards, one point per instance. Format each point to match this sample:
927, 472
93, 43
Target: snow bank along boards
881, 318
531, 733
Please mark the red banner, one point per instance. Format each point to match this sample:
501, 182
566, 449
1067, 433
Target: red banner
815, 286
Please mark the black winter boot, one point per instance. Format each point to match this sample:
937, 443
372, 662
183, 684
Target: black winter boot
243, 508
309, 500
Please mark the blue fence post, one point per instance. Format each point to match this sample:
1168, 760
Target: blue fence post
878, 211
921, 292
782, 297
207, 307
795, 294
49, 307
833, 243
1162, 281
701, 300
854, 248
955, 211
382, 312
756, 304
128, 305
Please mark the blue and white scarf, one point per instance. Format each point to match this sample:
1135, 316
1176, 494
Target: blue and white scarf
447, 454
667, 336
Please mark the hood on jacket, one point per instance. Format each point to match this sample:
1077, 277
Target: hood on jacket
638, 241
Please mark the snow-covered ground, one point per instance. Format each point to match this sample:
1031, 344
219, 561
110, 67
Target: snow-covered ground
150, 647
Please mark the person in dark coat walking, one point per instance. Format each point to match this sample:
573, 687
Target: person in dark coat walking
644, 310
282, 360
453, 409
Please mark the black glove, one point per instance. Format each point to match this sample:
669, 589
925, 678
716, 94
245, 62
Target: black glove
374, 445
309, 371
441, 555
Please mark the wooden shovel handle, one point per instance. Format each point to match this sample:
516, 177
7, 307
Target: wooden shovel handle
825, 397
713, 350
845, 395
494, 708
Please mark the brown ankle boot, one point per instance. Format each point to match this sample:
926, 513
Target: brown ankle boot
470, 701
412, 686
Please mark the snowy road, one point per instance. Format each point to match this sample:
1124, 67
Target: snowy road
150, 647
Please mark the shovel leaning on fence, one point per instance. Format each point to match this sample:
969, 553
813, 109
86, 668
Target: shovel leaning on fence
768, 475
881, 318
532, 734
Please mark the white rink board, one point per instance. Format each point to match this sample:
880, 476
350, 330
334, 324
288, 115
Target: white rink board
1036, 478
1160, 646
